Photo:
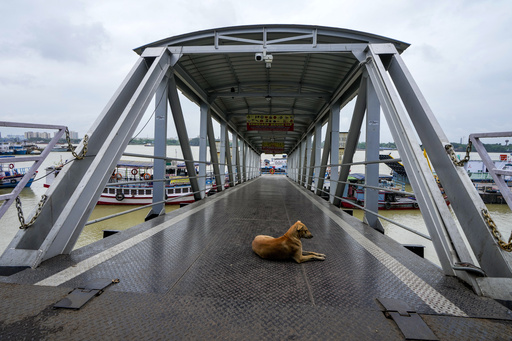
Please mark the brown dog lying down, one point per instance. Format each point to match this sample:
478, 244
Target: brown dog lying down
287, 246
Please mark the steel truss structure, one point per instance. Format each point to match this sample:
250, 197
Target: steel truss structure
308, 72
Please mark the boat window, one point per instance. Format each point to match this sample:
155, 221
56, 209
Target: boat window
141, 192
170, 191
112, 190
178, 190
105, 190
126, 191
148, 192
134, 192
185, 190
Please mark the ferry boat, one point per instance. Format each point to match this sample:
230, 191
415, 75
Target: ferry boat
10, 176
387, 200
120, 189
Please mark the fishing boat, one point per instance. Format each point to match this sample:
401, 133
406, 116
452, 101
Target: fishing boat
10, 175
130, 184
388, 200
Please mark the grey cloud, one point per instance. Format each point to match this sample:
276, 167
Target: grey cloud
61, 40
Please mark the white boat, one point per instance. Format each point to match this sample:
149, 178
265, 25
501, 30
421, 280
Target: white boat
121, 189
10, 176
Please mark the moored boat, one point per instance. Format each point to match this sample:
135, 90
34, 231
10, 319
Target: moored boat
10, 175
388, 200
130, 184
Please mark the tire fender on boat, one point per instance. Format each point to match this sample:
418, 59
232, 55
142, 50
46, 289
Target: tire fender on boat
415, 205
13, 181
387, 205
119, 196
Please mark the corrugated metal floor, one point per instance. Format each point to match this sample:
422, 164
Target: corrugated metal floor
192, 275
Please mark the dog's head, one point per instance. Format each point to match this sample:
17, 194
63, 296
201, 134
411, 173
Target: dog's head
302, 230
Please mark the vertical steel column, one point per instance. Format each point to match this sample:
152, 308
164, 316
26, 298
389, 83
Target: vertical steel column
335, 145
160, 149
243, 151
325, 158
317, 145
311, 158
213, 153
203, 135
224, 152
181, 129
290, 165
371, 196
352, 138
302, 164
300, 161
229, 161
236, 156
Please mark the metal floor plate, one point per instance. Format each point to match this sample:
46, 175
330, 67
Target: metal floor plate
192, 274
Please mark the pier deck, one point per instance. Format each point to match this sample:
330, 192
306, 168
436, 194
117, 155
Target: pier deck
192, 275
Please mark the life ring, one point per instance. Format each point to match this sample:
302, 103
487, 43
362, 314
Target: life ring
134, 171
119, 176
272, 171
119, 196
11, 166
387, 205
147, 176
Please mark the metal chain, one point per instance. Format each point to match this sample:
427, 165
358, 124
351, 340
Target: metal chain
451, 152
492, 225
70, 146
38, 212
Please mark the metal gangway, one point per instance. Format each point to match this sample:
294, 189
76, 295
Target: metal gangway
292, 73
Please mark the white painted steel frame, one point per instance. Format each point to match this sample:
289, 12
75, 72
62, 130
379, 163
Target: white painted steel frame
9, 198
61, 221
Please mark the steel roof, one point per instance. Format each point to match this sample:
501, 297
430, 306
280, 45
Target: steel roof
312, 68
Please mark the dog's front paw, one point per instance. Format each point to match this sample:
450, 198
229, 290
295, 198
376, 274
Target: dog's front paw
320, 256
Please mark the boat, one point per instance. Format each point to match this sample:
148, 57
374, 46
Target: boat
478, 172
388, 200
397, 169
61, 148
274, 166
10, 175
7, 148
129, 185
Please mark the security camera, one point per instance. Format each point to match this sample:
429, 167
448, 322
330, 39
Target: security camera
258, 57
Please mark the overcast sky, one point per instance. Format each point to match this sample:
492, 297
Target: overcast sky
61, 61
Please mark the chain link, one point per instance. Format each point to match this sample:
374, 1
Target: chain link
494, 229
451, 152
38, 212
70, 146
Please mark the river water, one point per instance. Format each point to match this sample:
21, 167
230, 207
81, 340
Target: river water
30, 197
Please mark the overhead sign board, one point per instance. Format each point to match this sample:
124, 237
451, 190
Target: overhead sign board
270, 122
273, 147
